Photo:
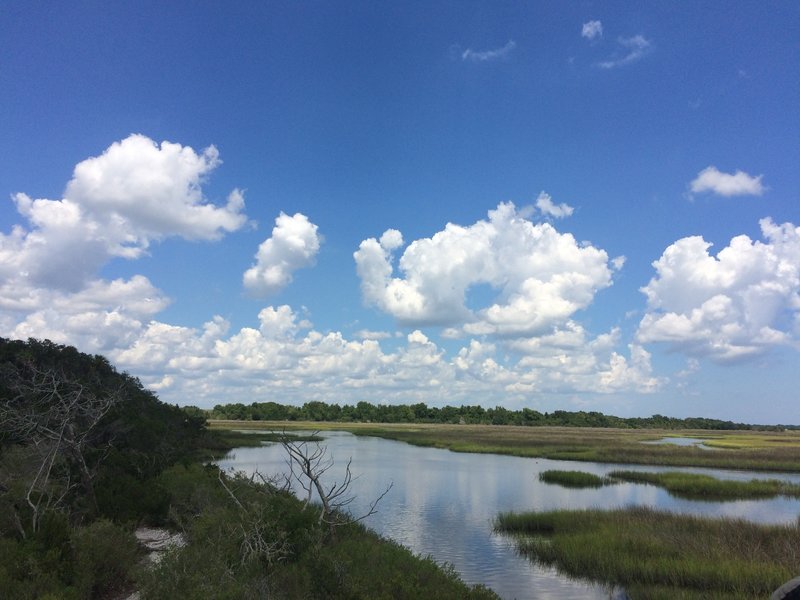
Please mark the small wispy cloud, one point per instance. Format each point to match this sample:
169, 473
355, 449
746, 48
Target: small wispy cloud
592, 30
715, 181
487, 55
636, 47
550, 209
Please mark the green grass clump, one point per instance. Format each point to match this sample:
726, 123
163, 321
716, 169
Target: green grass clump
655, 554
694, 486
573, 479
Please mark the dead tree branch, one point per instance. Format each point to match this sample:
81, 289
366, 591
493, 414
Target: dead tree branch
308, 462
50, 417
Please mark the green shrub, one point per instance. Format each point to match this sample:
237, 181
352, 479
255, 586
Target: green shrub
104, 555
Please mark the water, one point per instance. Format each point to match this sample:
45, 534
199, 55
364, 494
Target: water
683, 441
442, 503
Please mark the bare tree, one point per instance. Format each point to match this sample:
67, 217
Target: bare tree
48, 417
308, 463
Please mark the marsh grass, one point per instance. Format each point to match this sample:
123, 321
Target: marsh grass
691, 486
573, 479
757, 451
655, 554
694, 486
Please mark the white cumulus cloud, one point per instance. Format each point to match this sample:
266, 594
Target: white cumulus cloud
114, 206
541, 277
293, 245
735, 305
569, 360
715, 181
282, 358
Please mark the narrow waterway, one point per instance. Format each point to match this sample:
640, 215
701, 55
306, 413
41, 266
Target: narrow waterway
442, 503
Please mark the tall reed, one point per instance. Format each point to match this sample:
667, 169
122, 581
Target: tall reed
658, 554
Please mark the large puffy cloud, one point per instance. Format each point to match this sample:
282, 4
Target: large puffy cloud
715, 181
293, 245
569, 360
731, 306
541, 276
154, 191
115, 205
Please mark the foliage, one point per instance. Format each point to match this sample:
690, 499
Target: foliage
365, 412
60, 561
103, 555
108, 439
658, 554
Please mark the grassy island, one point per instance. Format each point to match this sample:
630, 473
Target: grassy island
692, 486
655, 554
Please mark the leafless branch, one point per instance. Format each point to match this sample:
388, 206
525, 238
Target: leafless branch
51, 416
308, 462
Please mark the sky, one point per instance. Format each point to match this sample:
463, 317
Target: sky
559, 206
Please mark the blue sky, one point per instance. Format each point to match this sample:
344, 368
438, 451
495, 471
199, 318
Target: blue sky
561, 206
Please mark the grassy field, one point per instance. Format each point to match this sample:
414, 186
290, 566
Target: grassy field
758, 451
656, 554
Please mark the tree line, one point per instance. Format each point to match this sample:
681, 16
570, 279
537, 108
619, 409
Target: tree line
365, 412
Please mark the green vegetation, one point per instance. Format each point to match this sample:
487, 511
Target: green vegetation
573, 479
264, 544
694, 486
660, 555
763, 451
365, 412
87, 454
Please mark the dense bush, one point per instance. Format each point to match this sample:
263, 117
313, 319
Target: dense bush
103, 555
67, 562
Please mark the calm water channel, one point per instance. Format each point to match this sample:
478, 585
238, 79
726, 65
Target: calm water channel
443, 503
